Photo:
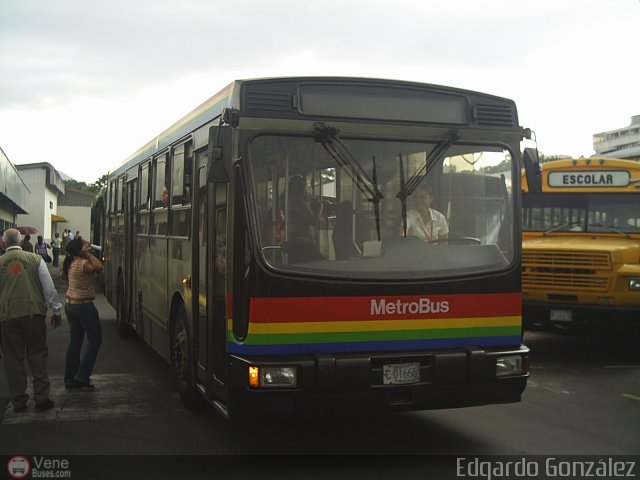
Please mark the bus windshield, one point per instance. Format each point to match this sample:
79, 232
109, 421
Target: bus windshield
381, 208
581, 212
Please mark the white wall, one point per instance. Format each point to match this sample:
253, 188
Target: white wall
38, 202
79, 218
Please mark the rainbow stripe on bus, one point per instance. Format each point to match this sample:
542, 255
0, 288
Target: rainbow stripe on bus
357, 324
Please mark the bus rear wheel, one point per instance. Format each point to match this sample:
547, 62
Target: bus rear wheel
181, 355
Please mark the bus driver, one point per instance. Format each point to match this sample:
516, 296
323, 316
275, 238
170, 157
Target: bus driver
424, 222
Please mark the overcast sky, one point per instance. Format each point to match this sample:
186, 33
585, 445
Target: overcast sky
85, 83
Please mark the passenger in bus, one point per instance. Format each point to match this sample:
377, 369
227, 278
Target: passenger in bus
304, 214
272, 226
425, 222
165, 196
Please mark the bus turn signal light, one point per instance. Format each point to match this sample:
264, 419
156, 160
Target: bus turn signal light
273, 376
254, 376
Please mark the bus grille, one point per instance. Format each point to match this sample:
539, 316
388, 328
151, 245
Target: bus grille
494, 116
566, 271
277, 102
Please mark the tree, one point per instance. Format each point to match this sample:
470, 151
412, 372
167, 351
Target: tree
100, 183
82, 186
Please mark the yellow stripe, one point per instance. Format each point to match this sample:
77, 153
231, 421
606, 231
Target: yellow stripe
379, 325
632, 397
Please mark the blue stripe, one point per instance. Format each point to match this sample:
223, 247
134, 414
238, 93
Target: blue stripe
301, 348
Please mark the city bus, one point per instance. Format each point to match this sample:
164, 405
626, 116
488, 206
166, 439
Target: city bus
581, 244
260, 245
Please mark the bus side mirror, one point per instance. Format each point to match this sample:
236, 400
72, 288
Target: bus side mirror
219, 154
532, 170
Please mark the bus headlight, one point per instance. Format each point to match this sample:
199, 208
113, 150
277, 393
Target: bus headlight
634, 284
508, 366
273, 376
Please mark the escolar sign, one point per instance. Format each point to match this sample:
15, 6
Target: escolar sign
600, 178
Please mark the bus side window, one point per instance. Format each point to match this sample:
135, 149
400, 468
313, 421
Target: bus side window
182, 174
160, 196
145, 199
111, 204
182, 166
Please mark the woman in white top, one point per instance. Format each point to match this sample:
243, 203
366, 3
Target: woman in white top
424, 222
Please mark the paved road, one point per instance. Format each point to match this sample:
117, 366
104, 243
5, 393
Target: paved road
583, 398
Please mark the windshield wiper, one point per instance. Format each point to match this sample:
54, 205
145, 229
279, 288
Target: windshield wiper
328, 137
403, 198
408, 187
611, 228
564, 225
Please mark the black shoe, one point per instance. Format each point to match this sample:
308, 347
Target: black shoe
20, 409
44, 406
78, 384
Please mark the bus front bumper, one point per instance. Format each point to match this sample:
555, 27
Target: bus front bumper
355, 383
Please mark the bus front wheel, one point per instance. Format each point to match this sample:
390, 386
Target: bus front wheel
181, 355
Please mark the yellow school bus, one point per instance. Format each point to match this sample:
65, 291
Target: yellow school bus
581, 243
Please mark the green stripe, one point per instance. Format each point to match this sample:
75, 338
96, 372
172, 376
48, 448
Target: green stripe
372, 336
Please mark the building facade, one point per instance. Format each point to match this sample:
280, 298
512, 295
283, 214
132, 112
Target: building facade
75, 206
44, 184
13, 194
619, 143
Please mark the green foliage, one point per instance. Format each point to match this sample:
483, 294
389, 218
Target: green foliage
503, 166
94, 187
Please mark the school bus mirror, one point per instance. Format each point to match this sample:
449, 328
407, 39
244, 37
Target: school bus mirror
532, 170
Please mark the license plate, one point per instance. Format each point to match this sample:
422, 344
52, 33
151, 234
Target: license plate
401, 373
560, 315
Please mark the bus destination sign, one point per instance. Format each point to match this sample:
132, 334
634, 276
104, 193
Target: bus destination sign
599, 178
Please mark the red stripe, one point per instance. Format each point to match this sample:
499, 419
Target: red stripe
344, 309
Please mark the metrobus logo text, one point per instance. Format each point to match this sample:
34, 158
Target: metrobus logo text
398, 307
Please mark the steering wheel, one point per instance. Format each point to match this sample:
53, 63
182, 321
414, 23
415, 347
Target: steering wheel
464, 241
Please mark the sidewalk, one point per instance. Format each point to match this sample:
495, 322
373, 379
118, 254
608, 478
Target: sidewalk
57, 341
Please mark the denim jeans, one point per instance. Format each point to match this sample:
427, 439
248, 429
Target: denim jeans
83, 319
56, 256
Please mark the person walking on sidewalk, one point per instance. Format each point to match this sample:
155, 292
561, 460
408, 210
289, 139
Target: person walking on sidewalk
79, 268
26, 288
56, 245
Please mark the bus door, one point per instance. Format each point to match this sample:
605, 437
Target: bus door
130, 234
210, 290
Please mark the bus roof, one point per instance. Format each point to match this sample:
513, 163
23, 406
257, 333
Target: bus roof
230, 97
